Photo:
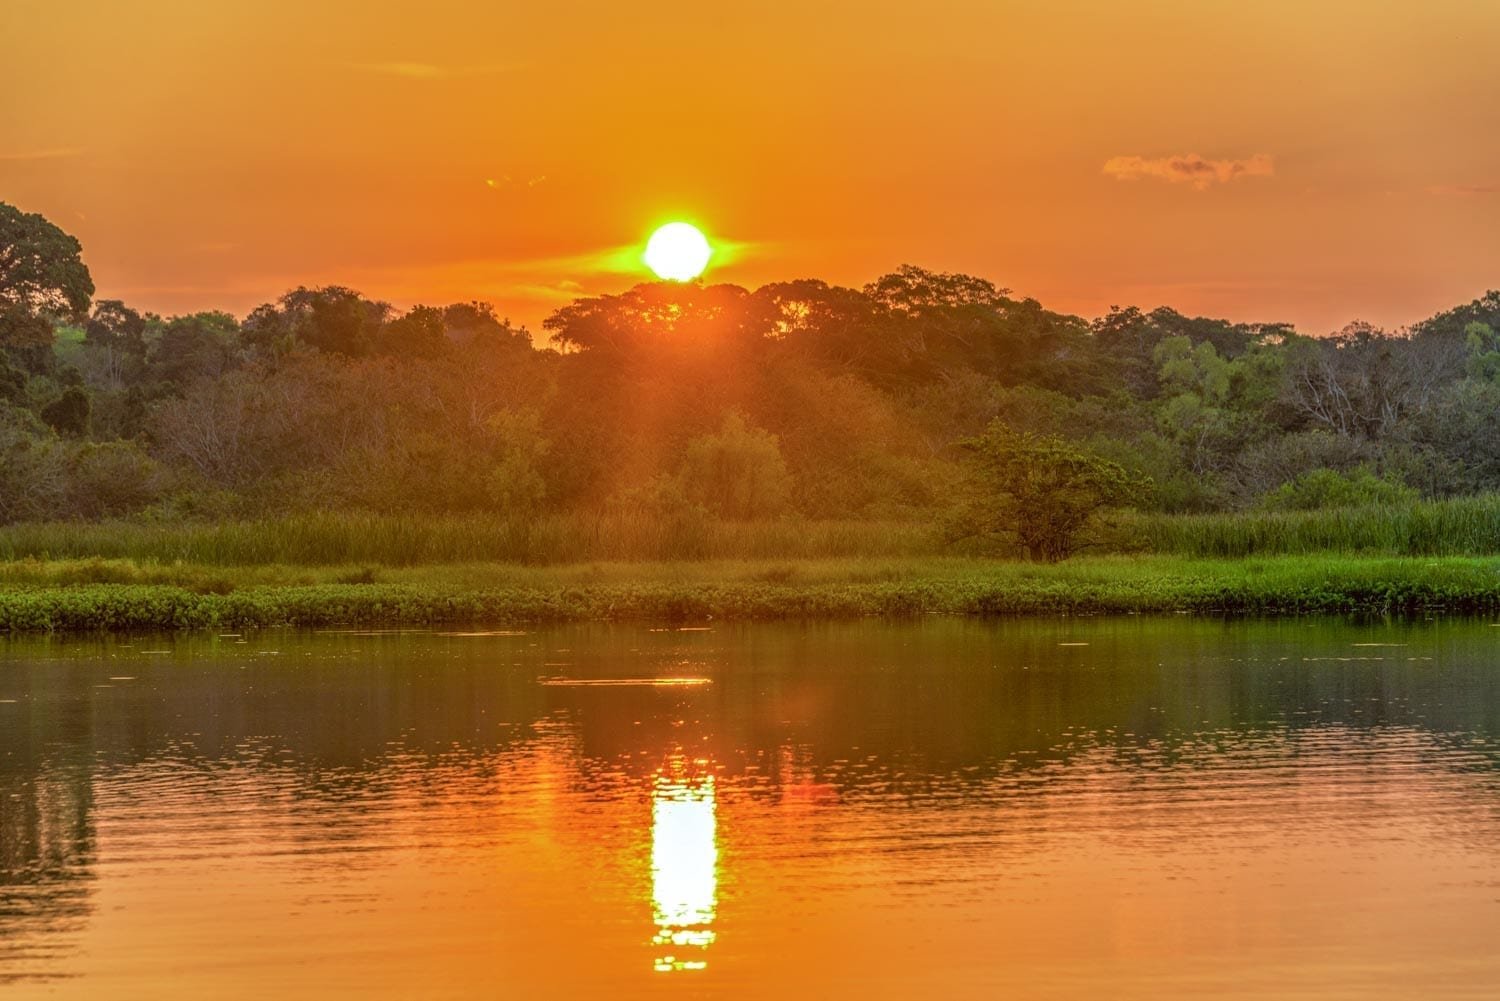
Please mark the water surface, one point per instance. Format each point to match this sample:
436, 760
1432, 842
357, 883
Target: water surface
1072, 808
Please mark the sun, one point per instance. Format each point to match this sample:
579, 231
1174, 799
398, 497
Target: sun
678, 252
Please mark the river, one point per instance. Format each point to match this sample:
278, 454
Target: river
1068, 808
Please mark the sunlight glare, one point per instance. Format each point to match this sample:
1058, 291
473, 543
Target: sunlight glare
684, 870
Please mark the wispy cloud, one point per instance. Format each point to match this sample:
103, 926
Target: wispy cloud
1188, 168
54, 153
506, 181
434, 71
1465, 190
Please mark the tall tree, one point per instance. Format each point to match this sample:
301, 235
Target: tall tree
42, 280
1040, 491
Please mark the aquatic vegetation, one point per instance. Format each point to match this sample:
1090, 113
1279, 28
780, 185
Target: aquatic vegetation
501, 595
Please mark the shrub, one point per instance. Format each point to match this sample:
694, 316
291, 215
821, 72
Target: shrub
1322, 489
737, 472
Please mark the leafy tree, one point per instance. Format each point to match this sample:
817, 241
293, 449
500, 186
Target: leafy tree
33, 468
42, 279
12, 382
737, 472
635, 326
420, 333
1483, 344
333, 319
515, 483
111, 478
1453, 324
1461, 431
41, 267
475, 324
1039, 490
916, 291
192, 347
114, 345
69, 414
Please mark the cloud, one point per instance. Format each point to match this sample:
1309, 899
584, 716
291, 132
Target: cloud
1188, 168
432, 71
56, 153
505, 181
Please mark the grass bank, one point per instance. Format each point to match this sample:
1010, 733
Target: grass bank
125, 595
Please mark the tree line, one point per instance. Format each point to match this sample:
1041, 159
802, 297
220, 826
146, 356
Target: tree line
798, 398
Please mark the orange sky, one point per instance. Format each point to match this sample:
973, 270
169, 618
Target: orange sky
215, 154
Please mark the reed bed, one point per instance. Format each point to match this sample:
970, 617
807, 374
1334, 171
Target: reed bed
334, 539
1461, 527
1468, 526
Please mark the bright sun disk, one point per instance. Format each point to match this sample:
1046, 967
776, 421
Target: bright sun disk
678, 252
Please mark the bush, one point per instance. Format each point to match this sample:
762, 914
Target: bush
1323, 489
111, 478
737, 472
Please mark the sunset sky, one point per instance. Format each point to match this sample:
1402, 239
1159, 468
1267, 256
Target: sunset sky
1275, 160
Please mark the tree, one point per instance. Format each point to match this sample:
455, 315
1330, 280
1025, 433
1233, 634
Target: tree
1364, 382
115, 343
475, 324
737, 472
192, 347
1483, 345
69, 414
42, 279
1040, 491
420, 333
333, 319
915, 291
33, 468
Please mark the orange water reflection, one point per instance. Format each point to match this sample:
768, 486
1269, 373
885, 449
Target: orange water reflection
684, 870
849, 815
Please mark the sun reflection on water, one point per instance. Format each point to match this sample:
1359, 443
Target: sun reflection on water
684, 870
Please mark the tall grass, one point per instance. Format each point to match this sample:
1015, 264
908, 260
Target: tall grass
1464, 527
334, 539
1467, 526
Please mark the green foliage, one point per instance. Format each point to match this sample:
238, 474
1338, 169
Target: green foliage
189, 348
1463, 526
32, 468
111, 479
515, 483
45, 597
41, 269
1039, 490
333, 319
848, 403
1483, 344
69, 414
737, 472
1326, 489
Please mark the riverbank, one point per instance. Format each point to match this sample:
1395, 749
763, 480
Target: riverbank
87, 595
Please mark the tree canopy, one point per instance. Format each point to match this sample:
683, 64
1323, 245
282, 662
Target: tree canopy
921, 395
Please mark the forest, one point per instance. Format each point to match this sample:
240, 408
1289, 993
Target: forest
798, 401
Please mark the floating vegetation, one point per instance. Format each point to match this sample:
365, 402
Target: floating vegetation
660, 594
